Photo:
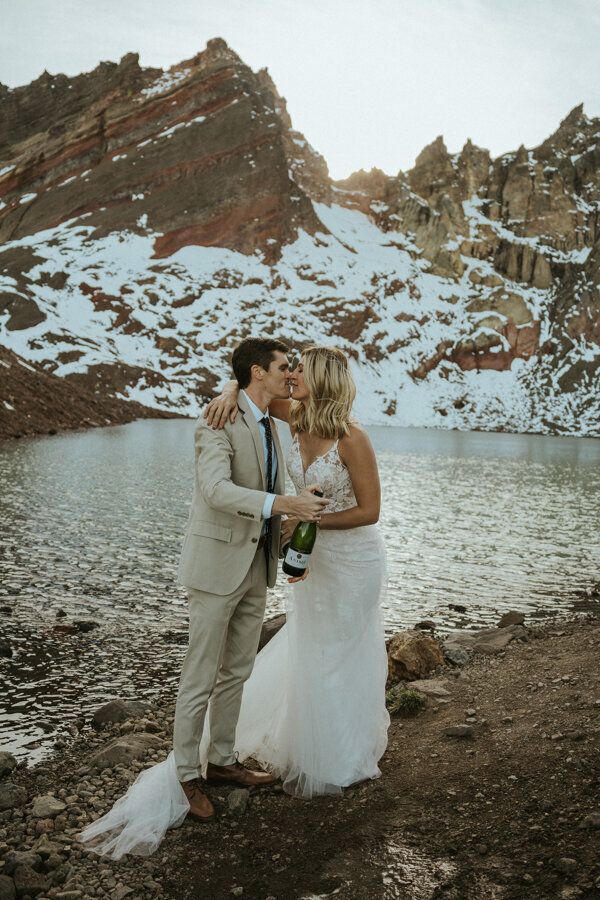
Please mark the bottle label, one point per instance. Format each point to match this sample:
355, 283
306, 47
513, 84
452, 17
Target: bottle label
296, 559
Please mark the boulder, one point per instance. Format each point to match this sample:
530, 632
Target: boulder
511, 618
459, 731
11, 796
486, 640
124, 749
7, 763
45, 806
30, 883
119, 711
45, 847
119, 893
432, 688
7, 888
17, 858
85, 625
270, 629
411, 655
457, 656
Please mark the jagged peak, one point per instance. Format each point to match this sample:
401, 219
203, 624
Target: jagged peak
522, 154
361, 179
218, 45
216, 49
433, 152
128, 62
471, 149
572, 135
570, 125
575, 118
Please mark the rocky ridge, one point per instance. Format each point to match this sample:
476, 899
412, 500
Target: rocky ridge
149, 220
35, 401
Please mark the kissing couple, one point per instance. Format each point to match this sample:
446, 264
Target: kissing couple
310, 707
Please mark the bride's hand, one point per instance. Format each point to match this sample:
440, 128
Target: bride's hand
222, 407
287, 528
299, 578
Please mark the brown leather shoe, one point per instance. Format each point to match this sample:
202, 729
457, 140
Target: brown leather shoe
238, 774
200, 806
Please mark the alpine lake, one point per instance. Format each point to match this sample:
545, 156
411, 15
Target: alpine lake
475, 524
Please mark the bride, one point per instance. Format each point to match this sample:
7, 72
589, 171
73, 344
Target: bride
313, 710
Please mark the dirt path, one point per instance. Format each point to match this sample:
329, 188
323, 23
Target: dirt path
511, 812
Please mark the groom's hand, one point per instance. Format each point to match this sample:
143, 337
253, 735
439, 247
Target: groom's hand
308, 506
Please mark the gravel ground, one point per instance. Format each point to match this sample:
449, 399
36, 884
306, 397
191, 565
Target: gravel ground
510, 811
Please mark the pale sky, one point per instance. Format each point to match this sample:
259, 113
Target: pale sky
368, 83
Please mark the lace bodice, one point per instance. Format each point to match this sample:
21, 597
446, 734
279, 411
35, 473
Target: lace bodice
328, 470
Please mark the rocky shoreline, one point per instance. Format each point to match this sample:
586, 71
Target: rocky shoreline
489, 790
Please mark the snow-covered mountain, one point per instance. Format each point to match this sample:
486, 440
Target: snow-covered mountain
149, 220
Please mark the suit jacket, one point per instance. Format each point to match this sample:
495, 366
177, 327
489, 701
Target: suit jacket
225, 521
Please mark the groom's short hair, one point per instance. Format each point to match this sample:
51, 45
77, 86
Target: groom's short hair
254, 352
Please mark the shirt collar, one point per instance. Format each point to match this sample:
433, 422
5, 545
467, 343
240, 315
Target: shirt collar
256, 412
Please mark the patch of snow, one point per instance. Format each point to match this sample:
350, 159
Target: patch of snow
166, 82
320, 287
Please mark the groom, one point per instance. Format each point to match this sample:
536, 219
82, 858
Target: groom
229, 557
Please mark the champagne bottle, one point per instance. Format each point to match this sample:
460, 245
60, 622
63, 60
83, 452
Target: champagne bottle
298, 549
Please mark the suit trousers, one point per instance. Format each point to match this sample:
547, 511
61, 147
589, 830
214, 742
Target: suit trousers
223, 640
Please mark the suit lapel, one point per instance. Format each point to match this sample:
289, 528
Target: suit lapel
280, 479
254, 430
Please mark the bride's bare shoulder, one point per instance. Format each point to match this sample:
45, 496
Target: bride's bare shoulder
356, 442
356, 433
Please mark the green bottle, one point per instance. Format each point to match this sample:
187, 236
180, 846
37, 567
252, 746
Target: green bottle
298, 549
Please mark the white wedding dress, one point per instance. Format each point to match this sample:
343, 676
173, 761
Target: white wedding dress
313, 710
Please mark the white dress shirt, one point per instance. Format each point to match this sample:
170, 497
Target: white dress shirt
258, 415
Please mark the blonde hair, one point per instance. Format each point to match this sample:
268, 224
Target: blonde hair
331, 392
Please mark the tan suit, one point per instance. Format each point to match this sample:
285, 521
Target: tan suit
225, 575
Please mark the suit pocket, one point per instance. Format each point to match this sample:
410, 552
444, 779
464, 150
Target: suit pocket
207, 529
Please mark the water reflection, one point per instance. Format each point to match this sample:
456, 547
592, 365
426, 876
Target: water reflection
92, 524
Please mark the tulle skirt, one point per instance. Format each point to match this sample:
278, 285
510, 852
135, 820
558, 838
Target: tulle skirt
139, 819
313, 710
